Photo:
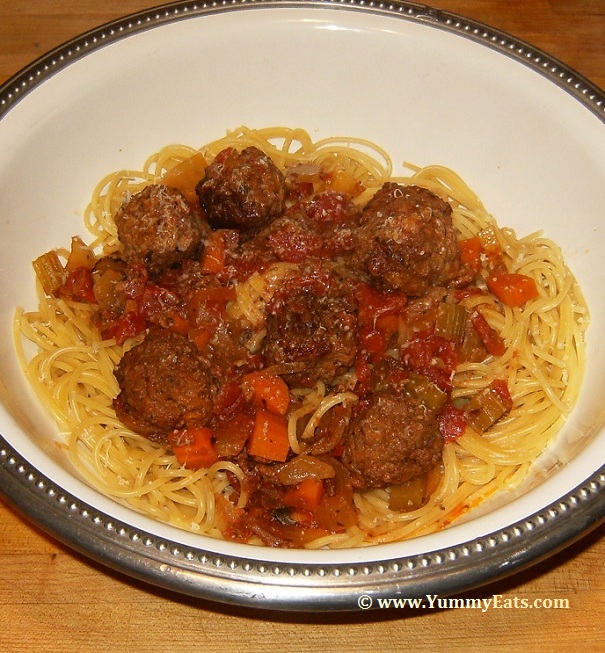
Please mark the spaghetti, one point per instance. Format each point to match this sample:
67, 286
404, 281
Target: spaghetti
542, 360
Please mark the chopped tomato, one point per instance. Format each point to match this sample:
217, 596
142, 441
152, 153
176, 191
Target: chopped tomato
388, 324
511, 288
329, 206
156, 301
452, 423
500, 388
79, 286
228, 401
207, 305
490, 338
129, 325
269, 437
378, 318
194, 447
299, 189
363, 373
294, 245
372, 342
434, 357
374, 304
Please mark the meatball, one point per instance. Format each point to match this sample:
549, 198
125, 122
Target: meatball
158, 228
393, 439
310, 328
164, 385
242, 190
406, 240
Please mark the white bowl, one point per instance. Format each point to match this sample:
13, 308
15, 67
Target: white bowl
522, 129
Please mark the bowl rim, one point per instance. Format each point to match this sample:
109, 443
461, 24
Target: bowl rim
297, 586
236, 580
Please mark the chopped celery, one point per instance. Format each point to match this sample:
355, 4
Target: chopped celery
487, 407
426, 391
50, 272
451, 322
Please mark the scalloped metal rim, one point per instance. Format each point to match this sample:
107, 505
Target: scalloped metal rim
280, 586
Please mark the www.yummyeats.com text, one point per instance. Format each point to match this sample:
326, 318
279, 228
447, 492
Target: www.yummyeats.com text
436, 602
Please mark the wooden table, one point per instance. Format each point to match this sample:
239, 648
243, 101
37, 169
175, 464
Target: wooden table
54, 600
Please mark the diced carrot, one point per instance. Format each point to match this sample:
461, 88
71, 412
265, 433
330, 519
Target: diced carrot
177, 322
306, 495
269, 391
470, 250
194, 447
200, 337
336, 513
491, 247
186, 175
512, 288
213, 256
341, 181
269, 437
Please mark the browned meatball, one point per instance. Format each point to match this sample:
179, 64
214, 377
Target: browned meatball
164, 385
311, 324
406, 241
242, 190
390, 441
158, 228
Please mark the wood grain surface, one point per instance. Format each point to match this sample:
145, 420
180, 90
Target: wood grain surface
55, 600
